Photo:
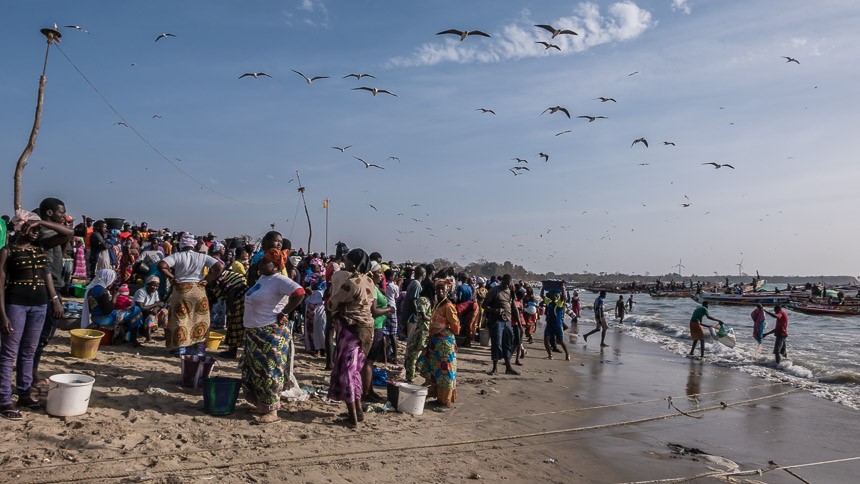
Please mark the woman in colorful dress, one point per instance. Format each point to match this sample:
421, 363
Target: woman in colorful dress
315, 320
188, 317
352, 295
80, 271
231, 288
267, 337
152, 307
439, 359
26, 295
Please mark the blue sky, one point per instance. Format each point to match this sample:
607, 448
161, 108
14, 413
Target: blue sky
710, 78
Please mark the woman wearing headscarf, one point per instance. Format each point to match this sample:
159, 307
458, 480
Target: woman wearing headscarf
352, 295
188, 308
152, 307
267, 335
438, 362
231, 288
380, 310
26, 290
101, 312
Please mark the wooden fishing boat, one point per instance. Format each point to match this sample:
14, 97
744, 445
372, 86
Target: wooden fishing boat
764, 298
680, 293
823, 309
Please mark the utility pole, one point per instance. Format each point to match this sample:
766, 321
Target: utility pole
301, 190
326, 203
53, 35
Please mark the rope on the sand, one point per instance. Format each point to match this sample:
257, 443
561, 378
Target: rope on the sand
750, 472
129, 125
277, 457
672, 405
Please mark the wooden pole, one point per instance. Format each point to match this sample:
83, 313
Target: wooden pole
52, 36
327, 203
307, 214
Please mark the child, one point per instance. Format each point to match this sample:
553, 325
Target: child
123, 302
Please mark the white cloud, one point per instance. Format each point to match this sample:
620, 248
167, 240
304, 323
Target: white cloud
681, 6
309, 12
623, 21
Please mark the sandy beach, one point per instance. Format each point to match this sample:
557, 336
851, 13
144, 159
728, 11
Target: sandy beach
603, 417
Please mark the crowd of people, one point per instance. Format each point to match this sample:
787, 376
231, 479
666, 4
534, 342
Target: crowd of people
352, 309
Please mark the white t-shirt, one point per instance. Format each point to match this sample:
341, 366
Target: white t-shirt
266, 299
143, 298
188, 265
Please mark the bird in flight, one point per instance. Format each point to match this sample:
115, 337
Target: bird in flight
254, 74
791, 59
544, 156
718, 166
395, 158
667, 143
415, 219
644, 164
156, 115
591, 119
685, 205
547, 46
373, 90
309, 80
121, 123
605, 99
640, 140
463, 33
358, 76
555, 109
342, 149
415, 205
515, 172
485, 111
520, 160
374, 208
368, 165
76, 27
163, 36
520, 168
554, 31
563, 132
633, 73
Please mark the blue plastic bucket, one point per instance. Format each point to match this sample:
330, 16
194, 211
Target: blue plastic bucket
220, 394
380, 377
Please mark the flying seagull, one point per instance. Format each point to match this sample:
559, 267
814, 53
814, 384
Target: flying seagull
163, 36
309, 79
605, 99
342, 149
791, 59
397, 159
640, 140
563, 132
76, 27
368, 165
520, 168
358, 76
632, 73
667, 143
254, 74
544, 156
554, 31
520, 160
122, 123
547, 46
718, 166
555, 109
374, 208
415, 205
685, 205
592, 118
644, 164
156, 115
485, 110
463, 33
373, 90
515, 172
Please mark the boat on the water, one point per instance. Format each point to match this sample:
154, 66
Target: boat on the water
681, 293
751, 299
824, 309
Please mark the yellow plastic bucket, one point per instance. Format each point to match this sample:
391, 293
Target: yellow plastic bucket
85, 343
213, 341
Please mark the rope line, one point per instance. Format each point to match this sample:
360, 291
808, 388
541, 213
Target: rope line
276, 456
130, 126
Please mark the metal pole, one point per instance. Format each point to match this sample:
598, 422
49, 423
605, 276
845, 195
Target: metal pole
326, 225
301, 190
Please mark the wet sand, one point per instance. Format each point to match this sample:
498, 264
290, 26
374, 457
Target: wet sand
538, 427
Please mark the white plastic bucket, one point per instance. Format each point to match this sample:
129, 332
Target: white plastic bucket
411, 399
69, 394
484, 335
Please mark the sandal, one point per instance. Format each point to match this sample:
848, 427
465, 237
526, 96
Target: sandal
10, 413
28, 402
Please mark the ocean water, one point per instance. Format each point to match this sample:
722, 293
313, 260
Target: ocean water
823, 355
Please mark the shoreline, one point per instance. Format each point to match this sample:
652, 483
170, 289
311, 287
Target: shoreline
501, 428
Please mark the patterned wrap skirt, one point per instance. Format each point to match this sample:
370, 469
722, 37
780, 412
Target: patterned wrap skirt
345, 384
188, 315
438, 364
264, 365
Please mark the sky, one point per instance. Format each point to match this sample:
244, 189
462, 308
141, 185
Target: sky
207, 151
